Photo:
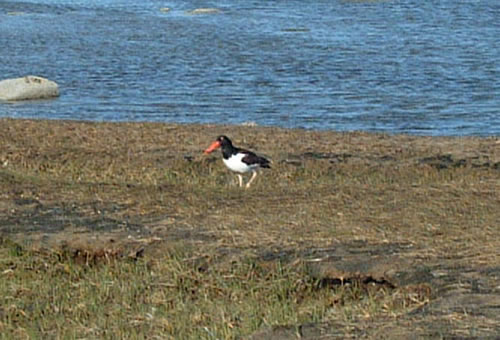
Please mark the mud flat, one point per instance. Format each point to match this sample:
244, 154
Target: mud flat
348, 235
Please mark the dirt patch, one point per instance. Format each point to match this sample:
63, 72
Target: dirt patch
448, 161
438, 295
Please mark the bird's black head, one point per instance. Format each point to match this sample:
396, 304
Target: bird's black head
224, 140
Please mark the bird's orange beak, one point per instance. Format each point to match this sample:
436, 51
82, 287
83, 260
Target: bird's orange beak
215, 145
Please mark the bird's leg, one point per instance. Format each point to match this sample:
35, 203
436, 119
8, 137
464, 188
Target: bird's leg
254, 174
241, 179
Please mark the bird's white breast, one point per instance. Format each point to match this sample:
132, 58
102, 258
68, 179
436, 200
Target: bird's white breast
235, 163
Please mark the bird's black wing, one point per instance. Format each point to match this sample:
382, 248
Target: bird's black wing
251, 158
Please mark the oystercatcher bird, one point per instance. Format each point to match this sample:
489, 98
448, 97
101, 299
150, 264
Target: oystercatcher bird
238, 160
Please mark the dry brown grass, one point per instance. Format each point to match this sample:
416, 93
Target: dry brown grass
415, 217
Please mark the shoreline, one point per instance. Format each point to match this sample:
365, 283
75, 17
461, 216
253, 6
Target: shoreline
253, 125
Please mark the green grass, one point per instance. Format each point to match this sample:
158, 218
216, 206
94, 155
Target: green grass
49, 294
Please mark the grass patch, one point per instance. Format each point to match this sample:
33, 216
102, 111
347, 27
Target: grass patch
49, 294
128, 230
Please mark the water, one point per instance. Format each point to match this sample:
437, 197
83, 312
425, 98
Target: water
418, 67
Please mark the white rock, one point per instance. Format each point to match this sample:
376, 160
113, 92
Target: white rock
204, 11
249, 123
27, 88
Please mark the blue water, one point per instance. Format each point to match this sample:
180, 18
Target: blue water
418, 67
